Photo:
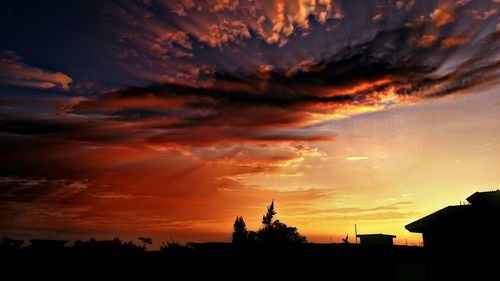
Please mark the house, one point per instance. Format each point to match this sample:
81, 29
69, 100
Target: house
462, 239
462, 226
376, 239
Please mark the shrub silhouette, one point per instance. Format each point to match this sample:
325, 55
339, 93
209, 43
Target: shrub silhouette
145, 241
173, 248
272, 233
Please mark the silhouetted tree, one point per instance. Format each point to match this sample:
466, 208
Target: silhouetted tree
268, 217
276, 232
240, 234
175, 249
145, 241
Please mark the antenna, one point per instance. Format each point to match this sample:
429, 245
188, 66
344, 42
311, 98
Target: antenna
356, 233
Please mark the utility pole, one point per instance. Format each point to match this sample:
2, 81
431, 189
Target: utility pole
356, 233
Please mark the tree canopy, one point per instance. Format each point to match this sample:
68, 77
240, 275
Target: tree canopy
272, 233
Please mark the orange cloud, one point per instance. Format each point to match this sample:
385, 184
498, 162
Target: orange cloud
377, 18
454, 41
230, 5
441, 16
277, 21
169, 43
486, 14
14, 72
226, 31
427, 40
291, 15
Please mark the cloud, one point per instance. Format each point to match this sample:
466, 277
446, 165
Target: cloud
112, 195
399, 4
454, 41
273, 21
224, 32
441, 17
288, 18
379, 216
173, 43
181, 8
279, 105
14, 72
409, 6
356, 158
17, 189
486, 14
350, 210
221, 5
377, 18
463, 2
428, 40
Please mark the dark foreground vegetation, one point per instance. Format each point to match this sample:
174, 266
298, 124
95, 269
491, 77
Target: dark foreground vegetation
223, 261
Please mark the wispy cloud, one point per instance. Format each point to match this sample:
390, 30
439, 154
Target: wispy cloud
16, 73
356, 158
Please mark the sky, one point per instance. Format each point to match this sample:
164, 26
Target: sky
170, 118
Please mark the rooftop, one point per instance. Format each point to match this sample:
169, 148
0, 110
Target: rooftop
483, 207
375, 235
489, 198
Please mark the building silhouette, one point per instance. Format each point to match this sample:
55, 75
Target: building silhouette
376, 239
464, 240
463, 224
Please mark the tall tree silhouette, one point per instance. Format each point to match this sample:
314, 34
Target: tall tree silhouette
268, 217
240, 234
276, 232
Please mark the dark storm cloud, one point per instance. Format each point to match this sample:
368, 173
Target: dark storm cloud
384, 72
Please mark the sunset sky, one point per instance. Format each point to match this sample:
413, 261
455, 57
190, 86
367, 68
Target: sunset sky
170, 118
